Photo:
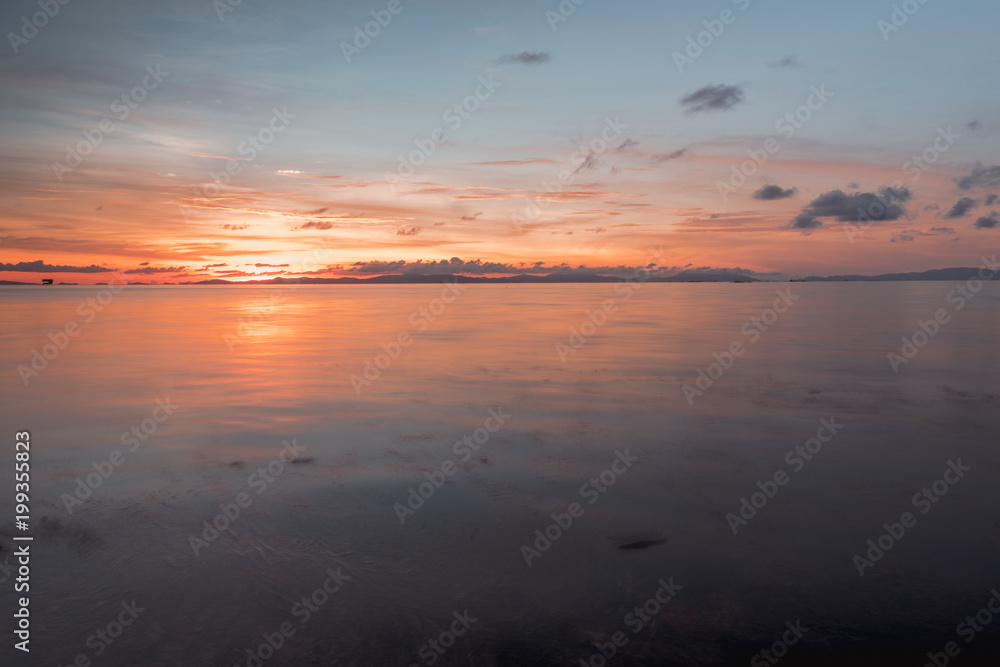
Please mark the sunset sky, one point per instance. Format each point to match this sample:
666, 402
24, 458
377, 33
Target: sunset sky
178, 87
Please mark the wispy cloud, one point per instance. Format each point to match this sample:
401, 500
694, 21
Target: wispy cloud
787, 61
525, 58
712, 98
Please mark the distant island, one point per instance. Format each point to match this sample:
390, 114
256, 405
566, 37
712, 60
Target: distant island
952, 274
957, 274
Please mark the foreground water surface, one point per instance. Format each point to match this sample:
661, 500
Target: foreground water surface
417, 509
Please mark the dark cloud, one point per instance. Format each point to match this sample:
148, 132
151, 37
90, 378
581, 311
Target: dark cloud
150, 270
235, 227
466, 217
627, 144
712, 98
903, 237
39, 266
213, 266
589, 163
771, 192
991, 199
318, 211
988, 221
852, 185
961, 208
943, 230
980, 177
143, 263
973, 125
269, 266
805, 221
857, 206
407, 231
664, 157
932, 207
787, 61
525, 58
322, 225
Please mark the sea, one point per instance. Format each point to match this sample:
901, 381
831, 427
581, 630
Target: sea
789, 473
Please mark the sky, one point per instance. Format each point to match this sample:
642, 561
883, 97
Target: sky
187, 140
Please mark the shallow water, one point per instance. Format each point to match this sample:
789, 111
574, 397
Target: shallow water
287, 377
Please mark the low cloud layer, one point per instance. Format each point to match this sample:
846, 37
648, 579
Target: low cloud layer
479, 267
39, 266
150, 270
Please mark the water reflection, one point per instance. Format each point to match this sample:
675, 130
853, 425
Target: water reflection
287, 374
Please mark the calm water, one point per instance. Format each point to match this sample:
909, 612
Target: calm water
288, 378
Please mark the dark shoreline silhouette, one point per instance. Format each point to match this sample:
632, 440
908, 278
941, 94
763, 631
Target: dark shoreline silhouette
949, 274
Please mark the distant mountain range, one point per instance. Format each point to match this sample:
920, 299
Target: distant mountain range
956, 274
953, 274
406, 279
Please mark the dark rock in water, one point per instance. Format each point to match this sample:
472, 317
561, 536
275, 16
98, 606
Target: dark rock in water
302, 461
641, 544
